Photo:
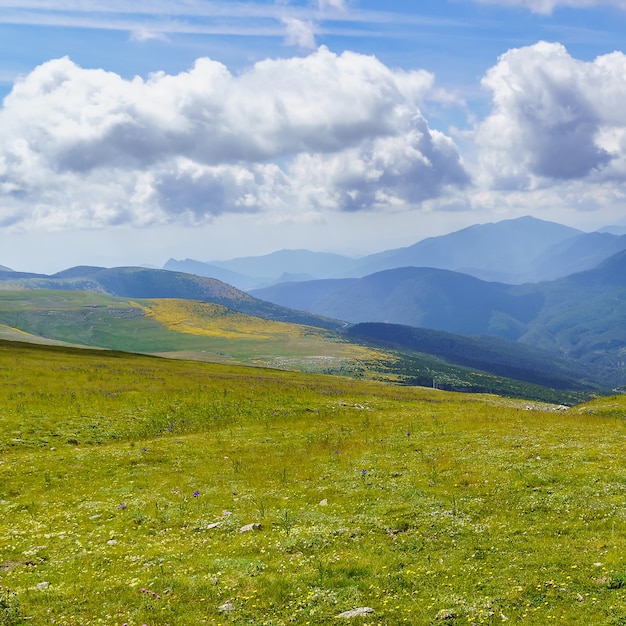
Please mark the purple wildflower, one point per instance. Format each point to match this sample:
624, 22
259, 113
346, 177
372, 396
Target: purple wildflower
196, 493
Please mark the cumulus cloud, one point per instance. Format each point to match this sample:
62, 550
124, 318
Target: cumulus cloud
87, 147
384, 172
546, 7
554, 118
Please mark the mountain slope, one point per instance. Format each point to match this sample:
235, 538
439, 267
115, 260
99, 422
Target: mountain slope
138, 282
189, 266
417, 296
577, 254
174, 327
503, 251
581, 316
489, 354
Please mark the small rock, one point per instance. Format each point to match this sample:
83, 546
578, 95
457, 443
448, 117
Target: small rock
226, 607
96, 516
324, 502
445, 614
112, 542
364, 610
249, 527
214, 525
42, 585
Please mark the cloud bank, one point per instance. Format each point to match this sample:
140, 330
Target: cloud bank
296, 138
88, 148
554, 119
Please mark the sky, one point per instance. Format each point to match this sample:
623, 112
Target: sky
131, 133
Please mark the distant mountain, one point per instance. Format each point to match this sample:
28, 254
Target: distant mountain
305, 295
139, 282
416, 296
283, 265
512, 251
316, 264
3, 268
576, 254
581, 316
189, 266
613, 229
504, 251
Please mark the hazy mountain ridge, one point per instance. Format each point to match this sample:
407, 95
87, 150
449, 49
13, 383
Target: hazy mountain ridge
502, 251
512, 251
418, 296
260, 271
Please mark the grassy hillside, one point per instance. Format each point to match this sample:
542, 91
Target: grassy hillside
210, 332
172, 327
140, 282
125, 482
488, 354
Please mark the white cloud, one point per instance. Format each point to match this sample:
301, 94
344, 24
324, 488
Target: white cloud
554, 118
143, 34
338, 5
88, 148
546, 7
386, 172
300, 33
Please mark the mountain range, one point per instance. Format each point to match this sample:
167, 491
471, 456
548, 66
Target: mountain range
576, 313
514, 251
580, 316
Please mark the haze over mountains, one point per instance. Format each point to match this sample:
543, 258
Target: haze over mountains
565, 293
511, 251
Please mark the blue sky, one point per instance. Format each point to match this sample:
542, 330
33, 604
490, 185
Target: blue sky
135, 132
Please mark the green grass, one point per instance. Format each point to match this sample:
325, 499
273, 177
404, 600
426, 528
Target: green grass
209, 332
177, 328
476, 507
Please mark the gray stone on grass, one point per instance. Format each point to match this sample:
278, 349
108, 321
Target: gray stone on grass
363, 610
213, 525
250, 527
226, 607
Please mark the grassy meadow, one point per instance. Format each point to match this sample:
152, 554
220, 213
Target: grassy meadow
195, 330
125, 481
178, 328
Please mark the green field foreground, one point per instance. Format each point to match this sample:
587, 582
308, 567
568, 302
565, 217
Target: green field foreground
126, 481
